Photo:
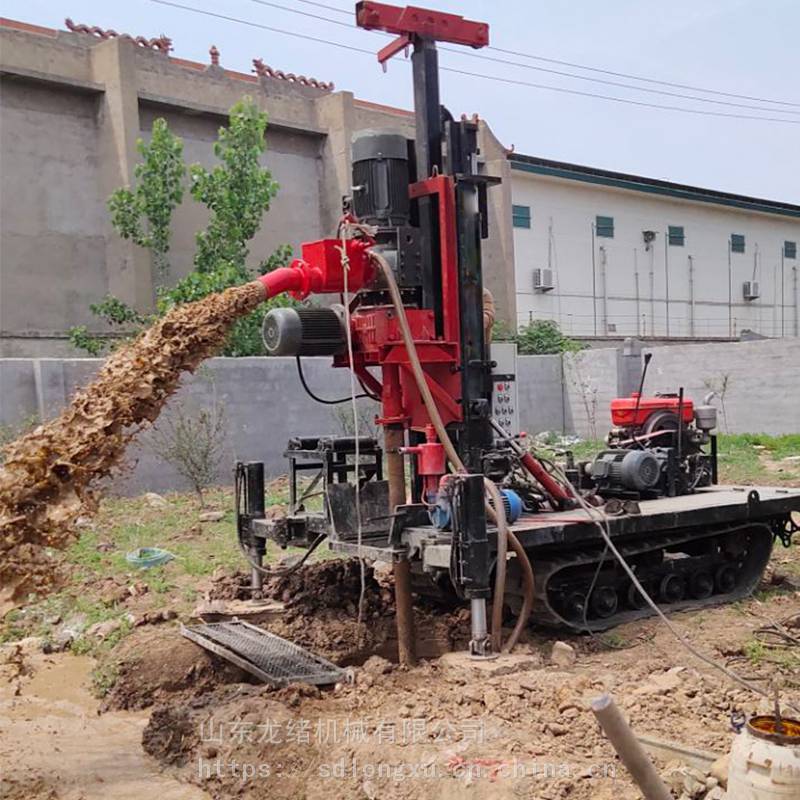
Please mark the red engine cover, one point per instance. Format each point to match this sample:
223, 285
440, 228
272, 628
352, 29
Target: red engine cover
623, 409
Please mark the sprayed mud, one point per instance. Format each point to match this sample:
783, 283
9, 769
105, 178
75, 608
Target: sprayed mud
50, 474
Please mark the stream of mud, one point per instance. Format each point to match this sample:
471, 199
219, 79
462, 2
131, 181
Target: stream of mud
50, 474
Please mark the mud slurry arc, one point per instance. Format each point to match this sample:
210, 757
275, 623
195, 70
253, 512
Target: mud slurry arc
50, 475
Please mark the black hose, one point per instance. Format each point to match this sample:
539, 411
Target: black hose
322, 399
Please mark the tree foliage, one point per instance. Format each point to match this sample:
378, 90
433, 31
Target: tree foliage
538, 337
237, 192
144, 214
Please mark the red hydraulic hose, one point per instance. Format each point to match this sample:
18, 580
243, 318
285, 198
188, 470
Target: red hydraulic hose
549, 483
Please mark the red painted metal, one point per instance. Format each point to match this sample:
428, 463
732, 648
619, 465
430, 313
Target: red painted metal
321, 269
624, 413
547, 481
443, 187
393, 48
423, 22
431, 462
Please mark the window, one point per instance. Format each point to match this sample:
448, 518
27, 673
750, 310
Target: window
737, 243
675, 235
604, 226
521, 216
790, 249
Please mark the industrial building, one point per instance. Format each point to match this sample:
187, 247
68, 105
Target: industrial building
606, 254
603, 254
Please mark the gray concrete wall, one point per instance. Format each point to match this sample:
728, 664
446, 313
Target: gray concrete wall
72, 107
761, 381
264, 404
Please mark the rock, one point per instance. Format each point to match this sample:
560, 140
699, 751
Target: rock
155, 500
563, 654
717, 793
662, 684
556, 729
719, 770
377, 665
792, 459
102, 630
211, 516
492, 698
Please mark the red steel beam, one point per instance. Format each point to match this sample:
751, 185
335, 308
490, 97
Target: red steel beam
423, 22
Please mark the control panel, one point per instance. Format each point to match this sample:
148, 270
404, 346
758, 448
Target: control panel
505, 408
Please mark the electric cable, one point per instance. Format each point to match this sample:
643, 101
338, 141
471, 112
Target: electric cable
322, 399
452, 455
469, 54
601, 523
481, 76
345, 262
599, 70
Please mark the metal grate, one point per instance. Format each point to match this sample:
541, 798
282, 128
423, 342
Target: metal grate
269, 657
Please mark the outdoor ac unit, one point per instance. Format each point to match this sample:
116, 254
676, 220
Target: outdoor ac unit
542, 280
750, 290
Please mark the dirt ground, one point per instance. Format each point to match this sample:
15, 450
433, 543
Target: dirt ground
178, 723
516, 727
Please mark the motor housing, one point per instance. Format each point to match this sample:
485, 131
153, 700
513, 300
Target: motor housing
304, 332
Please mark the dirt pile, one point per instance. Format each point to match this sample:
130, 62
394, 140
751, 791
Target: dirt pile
50, 473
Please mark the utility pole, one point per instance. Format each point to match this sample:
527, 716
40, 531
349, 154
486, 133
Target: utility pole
594, 285
691, 296
783, 285
666, 277
730, 292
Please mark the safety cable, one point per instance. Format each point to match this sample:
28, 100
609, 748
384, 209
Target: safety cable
601, 523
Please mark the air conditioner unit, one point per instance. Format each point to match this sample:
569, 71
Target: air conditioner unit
750, 290
542, 280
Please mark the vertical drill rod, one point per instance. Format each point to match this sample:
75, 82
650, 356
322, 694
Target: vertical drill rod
406, 642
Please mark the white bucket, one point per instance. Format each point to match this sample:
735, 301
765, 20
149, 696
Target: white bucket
765, 763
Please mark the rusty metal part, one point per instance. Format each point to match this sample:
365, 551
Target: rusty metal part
395, 473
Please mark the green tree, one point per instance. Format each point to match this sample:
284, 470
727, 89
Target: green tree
237, 192
538, 337
144, 214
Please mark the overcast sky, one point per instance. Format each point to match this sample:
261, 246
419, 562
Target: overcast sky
742, 47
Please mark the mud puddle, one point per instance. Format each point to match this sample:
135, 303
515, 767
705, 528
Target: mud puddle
54, 745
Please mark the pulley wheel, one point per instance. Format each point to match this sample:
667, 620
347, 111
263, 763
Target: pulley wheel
726, 578
635, 598
574, 605
672, 588
604, 601
701, 585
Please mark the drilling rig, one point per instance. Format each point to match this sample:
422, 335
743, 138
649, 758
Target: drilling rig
481, 518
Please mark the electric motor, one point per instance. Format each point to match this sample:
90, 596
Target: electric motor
303, 332
638, 470
380, 178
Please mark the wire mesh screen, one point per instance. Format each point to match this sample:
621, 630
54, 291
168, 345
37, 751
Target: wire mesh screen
269, 657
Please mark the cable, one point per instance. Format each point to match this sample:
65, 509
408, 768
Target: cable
467, 73
600, 70
640, 78
601, 523
468, 54
322, 399
628, 101
345, 261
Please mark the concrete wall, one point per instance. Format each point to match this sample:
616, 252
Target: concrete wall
264, 405
563, 212
72, 108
